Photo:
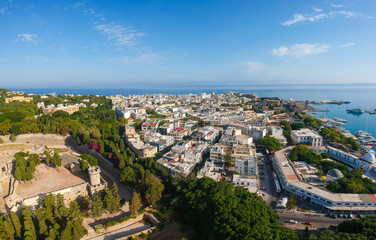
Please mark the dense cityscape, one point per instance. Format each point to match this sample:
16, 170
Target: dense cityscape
161, 166
187, 120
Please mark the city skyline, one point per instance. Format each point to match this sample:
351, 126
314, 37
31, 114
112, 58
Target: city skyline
169, 43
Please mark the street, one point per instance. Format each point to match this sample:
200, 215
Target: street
269, 195
301, 218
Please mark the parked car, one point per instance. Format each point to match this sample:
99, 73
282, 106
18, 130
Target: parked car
309, 223
350, 216
333, 216
293, 221
262, 188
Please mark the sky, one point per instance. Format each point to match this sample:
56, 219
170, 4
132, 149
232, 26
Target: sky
139, 43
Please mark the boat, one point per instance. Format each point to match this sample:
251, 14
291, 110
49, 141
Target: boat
355, 111
340, 120
365, 139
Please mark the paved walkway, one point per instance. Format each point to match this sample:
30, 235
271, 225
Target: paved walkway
123, 232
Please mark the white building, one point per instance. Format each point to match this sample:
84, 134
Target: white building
306, 136
246, 165
258, 132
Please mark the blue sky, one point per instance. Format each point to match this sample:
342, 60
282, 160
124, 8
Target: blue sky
186, 43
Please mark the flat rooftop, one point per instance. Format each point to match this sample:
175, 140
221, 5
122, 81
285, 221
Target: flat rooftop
293, 180
48, 179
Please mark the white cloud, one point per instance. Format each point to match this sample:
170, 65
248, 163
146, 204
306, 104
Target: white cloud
350, 44
317, 9
300, 50
337, 5
149, 58
24, 37
3, 10
123, 36
313, 18
251, 67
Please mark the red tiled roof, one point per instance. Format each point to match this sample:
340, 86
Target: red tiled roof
373, 197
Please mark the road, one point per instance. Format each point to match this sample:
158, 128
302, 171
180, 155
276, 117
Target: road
301, 218
269, 195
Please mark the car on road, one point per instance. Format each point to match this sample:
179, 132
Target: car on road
263, 188
293, 221
309, 223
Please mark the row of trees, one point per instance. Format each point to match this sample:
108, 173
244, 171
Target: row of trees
52, 221
24, 170
334, 136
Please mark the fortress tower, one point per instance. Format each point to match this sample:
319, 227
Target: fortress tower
94, 175
97, 184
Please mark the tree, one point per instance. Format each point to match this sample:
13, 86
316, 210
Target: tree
28, 224
78, 229
127, 175
96, 206
34, 158
61, 210
228, 161
29, 173
87, 161
48, 157
12, 137
66, 234
56, 159
270, 143
18, 174
60, 113
135, 203
8, 228
111, 199
49, 206
154, 191
121, 145
227, 212
291, 202
39, 214
16, 223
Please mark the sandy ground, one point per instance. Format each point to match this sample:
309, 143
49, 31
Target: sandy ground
19, 147
48, 179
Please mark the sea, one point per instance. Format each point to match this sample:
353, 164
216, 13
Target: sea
359, 95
